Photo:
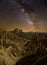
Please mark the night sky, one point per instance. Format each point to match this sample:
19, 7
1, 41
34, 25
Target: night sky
28, 15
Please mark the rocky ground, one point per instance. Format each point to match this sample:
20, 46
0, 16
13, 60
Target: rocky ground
16, 44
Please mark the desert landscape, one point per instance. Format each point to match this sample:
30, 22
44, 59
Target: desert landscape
23, 32
17, 46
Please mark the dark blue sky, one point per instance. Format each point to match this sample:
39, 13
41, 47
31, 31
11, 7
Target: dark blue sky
29, 15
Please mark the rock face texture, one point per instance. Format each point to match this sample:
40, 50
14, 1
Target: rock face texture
17, 47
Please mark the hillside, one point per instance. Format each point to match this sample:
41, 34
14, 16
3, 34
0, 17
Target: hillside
17, 44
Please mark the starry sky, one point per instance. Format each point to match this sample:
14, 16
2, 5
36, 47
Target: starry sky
28, 15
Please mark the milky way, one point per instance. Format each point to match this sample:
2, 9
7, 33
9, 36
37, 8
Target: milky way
30, 15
